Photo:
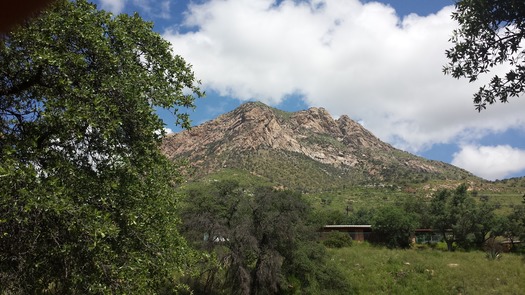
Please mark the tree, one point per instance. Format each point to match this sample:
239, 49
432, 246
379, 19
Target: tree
484, 222
512, 226
458, 218
260, 238
393, 226
259, 230
361, 216
445, 213
218, 219
418, 207
489, 35
86, 197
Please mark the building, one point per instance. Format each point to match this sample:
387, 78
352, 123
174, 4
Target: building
364, 232
426, 236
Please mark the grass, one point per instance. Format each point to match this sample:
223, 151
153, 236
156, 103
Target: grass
376, 270
245, 178
356, 197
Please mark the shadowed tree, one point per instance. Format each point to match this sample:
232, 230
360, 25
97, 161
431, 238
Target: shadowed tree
260, 238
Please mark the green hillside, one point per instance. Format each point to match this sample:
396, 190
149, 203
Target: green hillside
327, 193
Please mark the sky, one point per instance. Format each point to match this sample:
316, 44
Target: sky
379, 62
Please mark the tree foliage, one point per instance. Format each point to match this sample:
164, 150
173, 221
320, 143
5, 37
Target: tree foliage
260, 238
512, 226
86, 202
394, 226
490, 34
337, 239
460, 219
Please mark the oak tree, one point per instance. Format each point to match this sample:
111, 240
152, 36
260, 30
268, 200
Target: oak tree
490, 34
86, 197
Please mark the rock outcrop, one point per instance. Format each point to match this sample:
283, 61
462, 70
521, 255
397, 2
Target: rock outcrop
339, 143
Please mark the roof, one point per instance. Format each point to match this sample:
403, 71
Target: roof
424, 230
348, 226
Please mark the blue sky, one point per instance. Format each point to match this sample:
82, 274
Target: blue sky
378, 62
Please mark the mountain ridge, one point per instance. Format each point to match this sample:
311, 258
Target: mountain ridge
259, 138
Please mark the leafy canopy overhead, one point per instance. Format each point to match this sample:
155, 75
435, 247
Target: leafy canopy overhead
490, 34
86, 198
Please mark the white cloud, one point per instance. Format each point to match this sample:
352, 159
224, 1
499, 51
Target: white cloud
168, 130
155, 9
115, 6
349, 57
490, 162
149, 8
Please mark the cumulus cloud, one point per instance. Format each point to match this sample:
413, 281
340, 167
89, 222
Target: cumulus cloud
115, 6
358, 59
490, 162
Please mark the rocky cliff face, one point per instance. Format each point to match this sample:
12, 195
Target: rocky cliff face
237, 138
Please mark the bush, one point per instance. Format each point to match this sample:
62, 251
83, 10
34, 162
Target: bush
336, 239
442, 246
421, 246
493, 249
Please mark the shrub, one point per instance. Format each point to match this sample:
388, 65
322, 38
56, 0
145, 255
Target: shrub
493, 249
442, 246
336, 239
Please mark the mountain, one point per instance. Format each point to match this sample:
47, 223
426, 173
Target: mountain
304, 150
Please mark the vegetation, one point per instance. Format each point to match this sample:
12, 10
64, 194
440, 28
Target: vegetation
260, 238
89, 205
456, 216
86, 200
373, 270
490, 34
393, 226
299, 172
337, 239
464, 219
378, 270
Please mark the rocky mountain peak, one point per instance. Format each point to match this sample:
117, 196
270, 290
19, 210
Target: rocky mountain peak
316, 120
255, 129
